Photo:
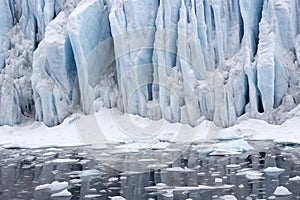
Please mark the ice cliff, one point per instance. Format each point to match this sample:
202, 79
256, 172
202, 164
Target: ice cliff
182, 60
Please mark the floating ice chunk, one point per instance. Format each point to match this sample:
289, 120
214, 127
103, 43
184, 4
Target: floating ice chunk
161, 185
85, 173
254, 176
197, 148
168, 194
271, 170
158, 186
233, 166
49, 153
218, 180
235, 146
93, 190
160, 145
54, 186
117, 198
64, 193
228, 197
250, 174
169, 190
282, 191
296, 178
75, 181
179, 169
113, 179
92, 196
60, 161
228, 135
54, 149
223, 152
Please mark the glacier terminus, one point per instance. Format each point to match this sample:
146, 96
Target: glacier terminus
181, 60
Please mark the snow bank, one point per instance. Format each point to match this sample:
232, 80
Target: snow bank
112, 127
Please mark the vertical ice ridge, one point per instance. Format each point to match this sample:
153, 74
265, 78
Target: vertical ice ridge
164, 61
22, 28
54, 72
134, 58
272, 77
93, 51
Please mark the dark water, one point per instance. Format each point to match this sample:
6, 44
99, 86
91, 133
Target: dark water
91, 173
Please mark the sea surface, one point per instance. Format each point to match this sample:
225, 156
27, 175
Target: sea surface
108, 172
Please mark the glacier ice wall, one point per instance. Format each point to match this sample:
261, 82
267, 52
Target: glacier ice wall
90, 36
54, 74
182, 60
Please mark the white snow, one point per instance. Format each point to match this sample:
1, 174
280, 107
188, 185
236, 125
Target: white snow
109, 126
282, 191
37, 135
228, 135
255, 129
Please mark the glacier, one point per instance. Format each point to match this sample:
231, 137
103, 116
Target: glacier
181, 60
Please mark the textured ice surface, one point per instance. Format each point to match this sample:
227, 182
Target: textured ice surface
183, 60
54, 74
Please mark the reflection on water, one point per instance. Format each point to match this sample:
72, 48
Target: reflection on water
91, 173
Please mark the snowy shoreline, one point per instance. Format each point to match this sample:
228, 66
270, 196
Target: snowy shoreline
136, 132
